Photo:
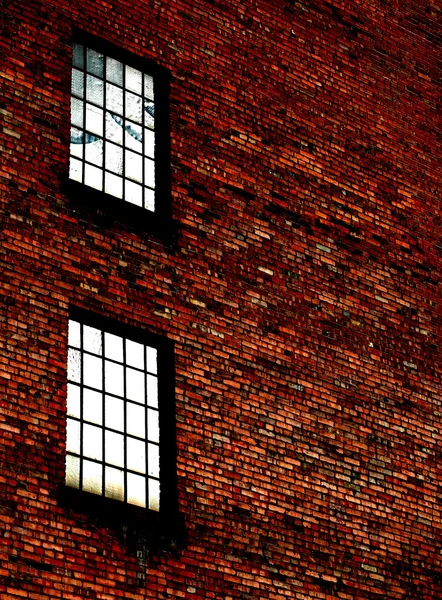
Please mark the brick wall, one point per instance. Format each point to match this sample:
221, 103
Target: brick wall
302, 292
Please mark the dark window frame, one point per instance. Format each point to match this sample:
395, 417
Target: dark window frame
151, 524
107, 208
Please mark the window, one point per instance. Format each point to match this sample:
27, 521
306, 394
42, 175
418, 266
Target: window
117, 388
119, 132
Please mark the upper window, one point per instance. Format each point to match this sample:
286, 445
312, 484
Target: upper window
115, 396
118, 142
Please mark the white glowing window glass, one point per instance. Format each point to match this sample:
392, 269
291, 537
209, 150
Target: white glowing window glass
113, 431
112, 145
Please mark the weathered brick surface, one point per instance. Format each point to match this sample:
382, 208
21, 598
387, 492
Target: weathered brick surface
303, 294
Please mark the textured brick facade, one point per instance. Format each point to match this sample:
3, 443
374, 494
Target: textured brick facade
301, 288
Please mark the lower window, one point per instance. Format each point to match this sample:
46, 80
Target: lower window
114, 403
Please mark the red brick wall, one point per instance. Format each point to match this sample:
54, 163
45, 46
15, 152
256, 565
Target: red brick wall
302, 293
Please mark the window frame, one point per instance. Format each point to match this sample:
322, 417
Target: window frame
108, 208
116, 512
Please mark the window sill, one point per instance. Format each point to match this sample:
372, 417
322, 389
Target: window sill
140, 527
106, 210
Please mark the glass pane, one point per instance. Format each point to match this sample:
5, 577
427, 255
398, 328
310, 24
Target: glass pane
114, 483
152, 391
77, 84
92, 442
153, 428
92, 339
136, 455
74, 365
151, 359
75, 169
153, 460
135, 385
77, 145
136, 490
133, 137
74, 333
149, 199
154, 494
133, 193
73, 400
114, 379
94, 90
134, 354
93, 176
78, 56
114, 158
114, 71
92, 406
148, 87
94, 62
149, 143
134, 166
92, 371
94, 119
114, 448
136, 417
133, 79
92, 477
134, 107
149, 172
114, 413
73, 436
149, 115
113, 346
114, 128
94, 152
77, 112
113, 185
72, 471
114, 99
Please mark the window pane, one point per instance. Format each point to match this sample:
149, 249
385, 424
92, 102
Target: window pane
134, 166
114, 448
114, 158
72, 471
94, 90
114, 483
136, 490
114, 99
73, 400
149, 143
133, 80
113, 347
136, 416
75, 169
154, 494
152, 391
114, 378
74, 333
135, 385
92, 339
114, 128
77, 112
73, 436
134, 107
114, 413
77, 145
93, 176
153, 460
94, 119
74, 365
92, 371
92, 442
134, 354
78, 56
136, 455
94, 153
113, 185
94, 62
92, 477
148, 87
149, 199
153, 427
149, 172
77, 85
133, 193
114, 71
92, 406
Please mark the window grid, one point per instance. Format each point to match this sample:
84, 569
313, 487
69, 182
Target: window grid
117, 125
81, 383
